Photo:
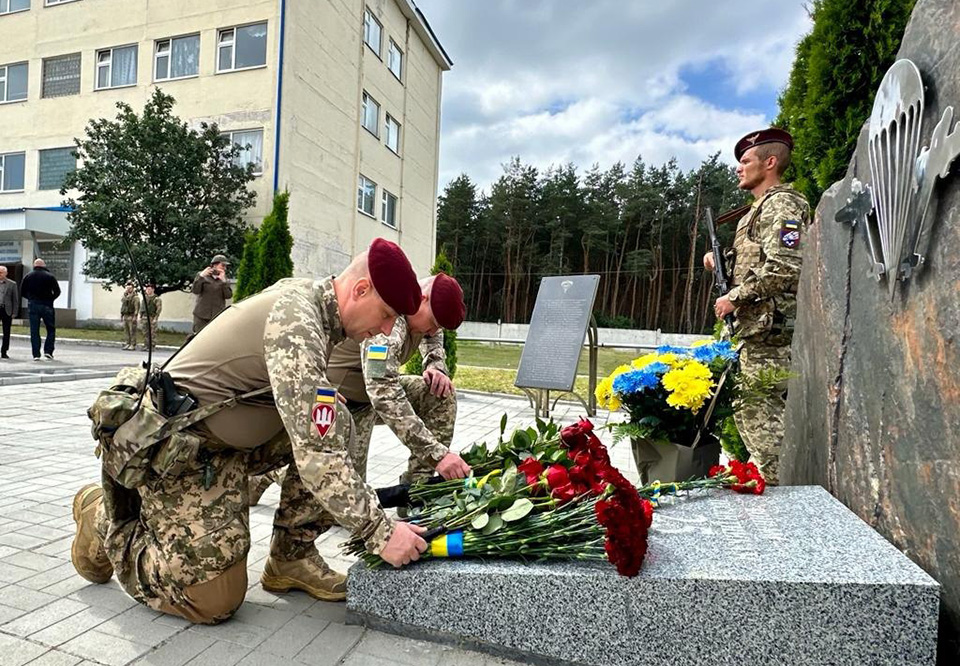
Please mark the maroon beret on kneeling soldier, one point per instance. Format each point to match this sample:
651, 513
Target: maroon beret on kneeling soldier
393, 277
446, 302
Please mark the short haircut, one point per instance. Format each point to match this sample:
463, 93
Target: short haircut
775, 149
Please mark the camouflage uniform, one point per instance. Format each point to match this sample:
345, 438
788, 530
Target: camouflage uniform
765, 276
179, 542
378, 393
153, 306
129, 309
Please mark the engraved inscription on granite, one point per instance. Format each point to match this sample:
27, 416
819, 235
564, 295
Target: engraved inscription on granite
557, 329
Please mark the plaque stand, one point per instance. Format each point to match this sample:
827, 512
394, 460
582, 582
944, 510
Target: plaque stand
540, 398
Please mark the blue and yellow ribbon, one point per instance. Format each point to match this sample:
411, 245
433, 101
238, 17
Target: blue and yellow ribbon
447, 545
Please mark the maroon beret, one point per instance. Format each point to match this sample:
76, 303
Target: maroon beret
769, 135
393, 276
446, 302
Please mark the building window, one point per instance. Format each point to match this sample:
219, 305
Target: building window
11, 6
61, 76
58, 2
11, 172
395, 60
13, 82
371, 115
388, 210
251, 148
372, 31
242, 48
393, 134
176, 58
117, 67
55, 165
367, 196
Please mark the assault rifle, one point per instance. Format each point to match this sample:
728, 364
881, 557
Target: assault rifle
721, 279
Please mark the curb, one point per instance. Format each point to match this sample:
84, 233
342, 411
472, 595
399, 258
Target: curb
48, 379
82, 342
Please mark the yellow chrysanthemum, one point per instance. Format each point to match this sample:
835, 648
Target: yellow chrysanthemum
644, 361
700, 343
689, 384
671, 359
603, 391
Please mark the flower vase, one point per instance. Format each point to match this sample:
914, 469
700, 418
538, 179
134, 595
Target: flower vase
662, 460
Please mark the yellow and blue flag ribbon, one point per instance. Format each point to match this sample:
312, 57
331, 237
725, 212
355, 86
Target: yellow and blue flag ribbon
447, 545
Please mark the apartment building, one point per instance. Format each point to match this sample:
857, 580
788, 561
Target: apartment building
336, 100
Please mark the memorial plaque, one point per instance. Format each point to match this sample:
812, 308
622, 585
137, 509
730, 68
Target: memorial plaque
557, 329
788, 577
58, 258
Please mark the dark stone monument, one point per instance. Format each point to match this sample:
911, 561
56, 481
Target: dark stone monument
874, 413
559, 323
788, 577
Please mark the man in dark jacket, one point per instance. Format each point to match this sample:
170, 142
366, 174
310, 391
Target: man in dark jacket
9, 306
41, 289
212, 292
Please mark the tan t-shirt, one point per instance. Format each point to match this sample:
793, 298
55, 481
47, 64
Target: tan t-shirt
226, 359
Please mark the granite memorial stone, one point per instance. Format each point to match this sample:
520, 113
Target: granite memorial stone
789, 577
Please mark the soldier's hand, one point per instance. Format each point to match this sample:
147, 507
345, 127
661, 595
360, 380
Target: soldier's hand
722, 307
405, 545
708, 261
437, 383
452, 466
206, 271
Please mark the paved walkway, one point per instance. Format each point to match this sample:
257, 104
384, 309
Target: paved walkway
71, 361
50, 616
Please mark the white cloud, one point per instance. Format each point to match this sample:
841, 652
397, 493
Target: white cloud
595, 82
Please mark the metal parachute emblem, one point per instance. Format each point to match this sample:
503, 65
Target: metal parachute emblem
900, 186
565, 285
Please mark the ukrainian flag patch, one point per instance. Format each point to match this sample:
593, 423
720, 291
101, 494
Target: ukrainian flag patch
377, 353
326, 395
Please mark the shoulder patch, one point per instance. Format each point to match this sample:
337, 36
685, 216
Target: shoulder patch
377, 361
790, 234
324, 412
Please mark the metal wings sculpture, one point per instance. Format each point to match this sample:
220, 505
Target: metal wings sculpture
900, 185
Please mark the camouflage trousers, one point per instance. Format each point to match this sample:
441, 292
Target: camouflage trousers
761, 426
179, 545
438, 414
130, 328
153, 332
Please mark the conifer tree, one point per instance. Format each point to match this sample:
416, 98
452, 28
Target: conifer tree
266, 252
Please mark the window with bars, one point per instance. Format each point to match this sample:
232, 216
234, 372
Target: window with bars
13, 82
367, 196
55, 165
117, 67
372, 31
388, 210
61, 76
242, 47
371, 115
11, 171
176, 58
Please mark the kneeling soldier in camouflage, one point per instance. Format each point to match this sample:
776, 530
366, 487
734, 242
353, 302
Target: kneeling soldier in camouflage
171, 519
420, 410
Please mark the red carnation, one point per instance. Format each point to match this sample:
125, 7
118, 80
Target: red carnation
532, 469
557, 476
575, 436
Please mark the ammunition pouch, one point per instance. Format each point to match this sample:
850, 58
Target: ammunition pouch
138, 444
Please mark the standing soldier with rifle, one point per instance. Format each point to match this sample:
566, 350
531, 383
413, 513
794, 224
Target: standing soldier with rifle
766, 272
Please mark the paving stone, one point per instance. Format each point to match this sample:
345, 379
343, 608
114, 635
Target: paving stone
56, 658
292, 637
222, 653
41, 618
247, 635
71, 627
400, 650
34, 561
177, 650
104, 648
331, 645
11, 573
16, 651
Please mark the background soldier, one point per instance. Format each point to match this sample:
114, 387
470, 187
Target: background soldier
129, 309
179, 541
421, 410
766, 274
212, 291
153, 306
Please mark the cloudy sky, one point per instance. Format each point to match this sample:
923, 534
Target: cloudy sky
597, 81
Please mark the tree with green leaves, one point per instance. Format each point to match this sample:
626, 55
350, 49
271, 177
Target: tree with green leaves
176, 195
415, 365
266, 252
837, 71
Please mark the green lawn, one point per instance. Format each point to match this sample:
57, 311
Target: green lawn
111, 334
491, 355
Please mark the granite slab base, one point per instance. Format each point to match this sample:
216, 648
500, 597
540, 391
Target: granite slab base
789, 577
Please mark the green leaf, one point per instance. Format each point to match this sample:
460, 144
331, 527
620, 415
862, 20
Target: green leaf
494, 524
518, 510
503, 424
541, 425
480, 521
